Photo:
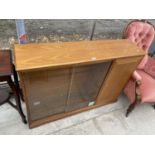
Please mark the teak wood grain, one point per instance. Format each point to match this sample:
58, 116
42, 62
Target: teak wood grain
35, 61
46, 55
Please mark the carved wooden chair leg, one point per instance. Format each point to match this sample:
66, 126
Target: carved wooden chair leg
137, 99
130, 108
17, 83
153, 106
17, 98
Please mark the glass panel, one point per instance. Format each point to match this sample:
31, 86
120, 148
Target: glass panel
86, 81
47, 92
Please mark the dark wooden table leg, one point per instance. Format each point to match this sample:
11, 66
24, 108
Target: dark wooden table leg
17, 83
17, 98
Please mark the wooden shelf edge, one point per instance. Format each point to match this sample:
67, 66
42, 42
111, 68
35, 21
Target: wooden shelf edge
48, 119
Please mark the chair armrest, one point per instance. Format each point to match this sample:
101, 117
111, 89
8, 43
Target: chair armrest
136, 77
150, 67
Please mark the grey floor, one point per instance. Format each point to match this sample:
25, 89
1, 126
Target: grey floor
108, 119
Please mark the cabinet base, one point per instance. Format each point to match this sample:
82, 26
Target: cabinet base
48, 119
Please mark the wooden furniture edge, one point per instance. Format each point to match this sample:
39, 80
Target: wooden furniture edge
22, 84
55, 117
20, 67
72, 64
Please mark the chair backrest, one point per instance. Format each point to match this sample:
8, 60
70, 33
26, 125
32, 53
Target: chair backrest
140, 32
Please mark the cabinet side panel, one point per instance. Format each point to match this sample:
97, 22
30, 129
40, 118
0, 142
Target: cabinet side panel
119, 74
25, 96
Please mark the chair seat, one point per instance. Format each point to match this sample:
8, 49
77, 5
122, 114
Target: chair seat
147, 87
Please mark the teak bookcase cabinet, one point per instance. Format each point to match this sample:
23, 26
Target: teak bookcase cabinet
61, 79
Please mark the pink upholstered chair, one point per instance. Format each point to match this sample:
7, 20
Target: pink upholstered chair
141, 86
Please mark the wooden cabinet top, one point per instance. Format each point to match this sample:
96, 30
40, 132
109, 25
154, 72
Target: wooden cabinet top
45, 55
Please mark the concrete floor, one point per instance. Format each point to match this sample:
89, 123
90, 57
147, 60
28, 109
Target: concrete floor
108, 119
